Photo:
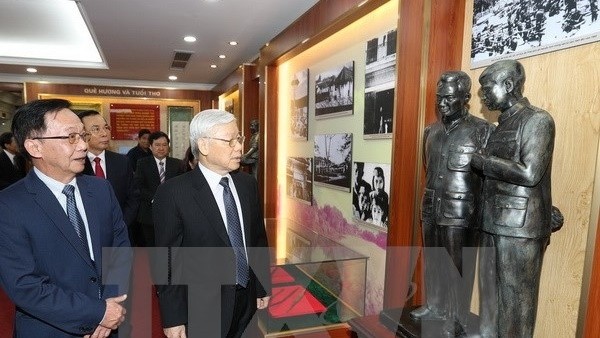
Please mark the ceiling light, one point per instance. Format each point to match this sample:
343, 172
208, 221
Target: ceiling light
213, 66
222, 56
233, 43
172, 77
31, 70
63, 39
189, 38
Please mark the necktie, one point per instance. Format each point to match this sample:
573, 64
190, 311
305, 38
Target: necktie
98, 169
161, 171
235, 234
75, 216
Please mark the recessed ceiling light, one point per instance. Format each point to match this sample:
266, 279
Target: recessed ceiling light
172, 77
222, 56
32, 70
213, 66
233, 43
189, 38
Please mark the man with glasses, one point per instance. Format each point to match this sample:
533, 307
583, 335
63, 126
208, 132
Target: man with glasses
151, 172
112, 166
213, 213
54, 227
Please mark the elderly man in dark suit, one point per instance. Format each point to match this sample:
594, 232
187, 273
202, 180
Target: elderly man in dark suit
151, 172
54, 227
12, 164
517, 203
216, 208
116, 168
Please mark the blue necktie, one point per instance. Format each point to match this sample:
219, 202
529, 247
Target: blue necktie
75, 217
235, 234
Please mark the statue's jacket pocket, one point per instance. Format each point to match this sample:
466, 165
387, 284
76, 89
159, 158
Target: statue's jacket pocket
510, 211
457, 205
459, 158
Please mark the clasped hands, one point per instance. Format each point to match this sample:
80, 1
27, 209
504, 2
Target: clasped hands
113, 317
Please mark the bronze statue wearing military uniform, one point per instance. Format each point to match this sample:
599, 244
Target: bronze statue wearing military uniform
451, 200
517, 203
251, 156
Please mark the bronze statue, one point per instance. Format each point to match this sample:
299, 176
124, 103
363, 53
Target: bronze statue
517, 203
251, 156
450, 217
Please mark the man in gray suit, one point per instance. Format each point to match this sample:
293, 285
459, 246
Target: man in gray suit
517, 207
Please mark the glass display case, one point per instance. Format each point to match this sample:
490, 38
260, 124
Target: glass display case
316, 282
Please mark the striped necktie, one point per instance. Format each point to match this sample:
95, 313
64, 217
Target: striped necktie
161, 171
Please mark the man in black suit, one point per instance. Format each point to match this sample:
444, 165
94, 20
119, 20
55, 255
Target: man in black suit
141, 150
216, 208
151, 172
115, 167
12, 164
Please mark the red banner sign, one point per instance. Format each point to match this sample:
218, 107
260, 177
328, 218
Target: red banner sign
126, 120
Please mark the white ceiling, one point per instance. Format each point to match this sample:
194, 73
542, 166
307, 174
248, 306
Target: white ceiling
138, 38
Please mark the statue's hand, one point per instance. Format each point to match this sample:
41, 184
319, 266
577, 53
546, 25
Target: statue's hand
477, 161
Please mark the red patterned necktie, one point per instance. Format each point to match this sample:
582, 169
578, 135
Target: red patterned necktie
98, 169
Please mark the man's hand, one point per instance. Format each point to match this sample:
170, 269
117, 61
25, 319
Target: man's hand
100, 332
115, 313
262, 303
175, 332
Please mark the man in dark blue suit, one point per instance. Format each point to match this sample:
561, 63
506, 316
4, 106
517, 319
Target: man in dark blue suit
212, 218
116, 168
55, 229
12, 164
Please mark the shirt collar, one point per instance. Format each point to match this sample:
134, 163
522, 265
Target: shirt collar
102, 156
212, 177
55, 186
10, 155
513, 110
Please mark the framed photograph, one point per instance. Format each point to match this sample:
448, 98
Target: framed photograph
511, 29
333, 157
334, 92
299, 178
380, 85
370, 194
299, 105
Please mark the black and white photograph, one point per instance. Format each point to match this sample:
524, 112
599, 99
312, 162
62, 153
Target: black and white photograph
333, 157
299, 120
380, 84
370, 194
334, 92
299, 178
515, 29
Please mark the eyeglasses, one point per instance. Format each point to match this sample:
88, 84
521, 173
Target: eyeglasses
72, 137
95, 129
238, 139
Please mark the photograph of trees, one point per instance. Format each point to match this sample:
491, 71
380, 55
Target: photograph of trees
333, 160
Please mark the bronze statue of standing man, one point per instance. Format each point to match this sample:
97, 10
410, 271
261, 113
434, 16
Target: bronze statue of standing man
517, 203
450, 217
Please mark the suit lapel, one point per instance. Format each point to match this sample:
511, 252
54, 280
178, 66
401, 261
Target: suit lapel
87, 169
92, 216
50, 205
206, 202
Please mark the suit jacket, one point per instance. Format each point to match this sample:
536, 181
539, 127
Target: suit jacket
9, 174
46, 272
452, 189
147, 180
517, 187
135, 153
119, 173
188, 219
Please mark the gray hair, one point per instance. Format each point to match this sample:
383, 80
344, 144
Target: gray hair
203, 123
